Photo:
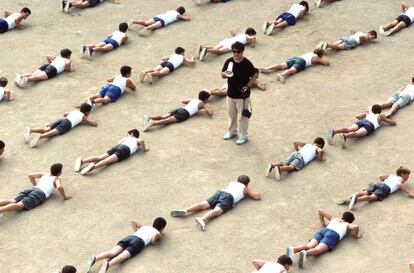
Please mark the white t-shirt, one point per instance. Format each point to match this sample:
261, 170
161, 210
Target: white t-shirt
295, 10
131, 143
75, 117
11, 20
308, 58
410, 13
118, 36
308, 153
272, 267
169, 17
227, 43
176, 60
236, 189
59, 63
373, 118
357, 36
408, 90
120, 82
192, 106
1, 93
339, 227
393, 182
146, 233
46, 185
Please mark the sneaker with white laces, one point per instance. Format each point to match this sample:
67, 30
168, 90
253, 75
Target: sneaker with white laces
26, 134
130, 23
302, 259
34, 140
280, 78
228, 135
318, 3
104, 267
82, 50
203, 54
145, 120
381, 30
89, 51
201, 224
62, 5
241, 140
68, 5
148, 78
270, 29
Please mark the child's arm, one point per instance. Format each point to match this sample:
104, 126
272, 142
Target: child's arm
298, 145
383, 177
110, 34
189, 60
18, 23
233, 33
141, 143
135, 225
156, 239
258, 263
7, 94
387, 120
65, 114
124, 40
61, 190
404, 6
324, 215
354, 229
7, 13
34, 176
165, 58
183, 17
322, 61
361, 115
252, 194
50, 58
404, 189
116, 2
89, 120
68, 66
208, 109
185, 101
253, 41
110, 79
353, 31
320, 154
131, 85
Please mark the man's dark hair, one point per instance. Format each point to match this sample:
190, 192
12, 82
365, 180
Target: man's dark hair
3, 81
319, 141
305, 4
348, 216
244, 179
123, 27
237, 46
179, 50
319, 52
373, 33
180, 10
134, 132
26, 10
284, 260
65, 53
125, 70
69, 269
250, 31
402, 170
376, 109
159, 223
85, 108
2, 144
56, 169
203, 95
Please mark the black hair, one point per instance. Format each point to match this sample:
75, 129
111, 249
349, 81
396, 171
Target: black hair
65, 53
284, 260
376, 109
244, 179
125, 70
237, 46
3, 81
123, 27
305, 4
319, 52
179, 50
69, 269
319, 141
134, 132
159, 223
26, 10
250, 31
85, 108
203, 95
348, 216
56, 169
373, 33
2, 144
412, 79
402, 170
180, 10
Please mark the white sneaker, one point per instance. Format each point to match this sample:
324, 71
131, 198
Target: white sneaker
145, 120
144, 31
241, 140
265, 26
130, 23
342, 140
278, 175
269, 170
148, 78
201, 224
34, 141
353, 202
381, 30
26, 134
78, 164
318, 3
330, 136
228, 135
203, 54
67, 7
104, 267
62, 5
280, 78
270, 29
89, 52
148, 125
198, 2
290, 253
178, 213
89, 263
88, 169
302, 259
17, 79
265, 70
82, 50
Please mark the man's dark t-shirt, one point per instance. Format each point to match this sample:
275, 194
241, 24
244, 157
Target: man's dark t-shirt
242, 71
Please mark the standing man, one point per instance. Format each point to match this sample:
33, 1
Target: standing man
239, 81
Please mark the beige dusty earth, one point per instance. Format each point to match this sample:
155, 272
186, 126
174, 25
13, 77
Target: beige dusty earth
190, 161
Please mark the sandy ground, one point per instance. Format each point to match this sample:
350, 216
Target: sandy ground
190, 161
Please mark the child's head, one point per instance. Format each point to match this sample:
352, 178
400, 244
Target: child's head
3, 82
244, 179
66, 53
372, 35
123, 27
285, 260
319, 52
203, 96
348, 217
179, 50
56, 169
250, 31
2, 145
69, 269
305, 4
134, 133
320, 142
126, 71
403, 172
180, 10
159, 224
376, 109
25, 12
85, 108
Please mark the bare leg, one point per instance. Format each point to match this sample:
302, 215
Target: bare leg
412, 267
338, 45
311, 244
104, 100
125, 255
5, 202
105, 48
94, 159
164, 71
351, 128
107, 161
40, 131
219, 92
80, 5
218, 51
390, 25
368, 198
12, 207
281, 25
318, 250
160, 117
50, 134
198, 207
35, 77
289, 72
398, 27
394, 109
259, 85
166, 121
361, 132
144, 23
109, 254
217, 211
287, 168
94, 97
277, 67
154, 26
7, 95
386, 105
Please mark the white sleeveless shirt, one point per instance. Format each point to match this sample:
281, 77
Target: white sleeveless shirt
1, 93
11, 20
169, 17
118, 36
410, 13
271, 267
373, 118
192, 106
241, 37
46, 184
338, 227
393, 182
308, 153
59, 63
131, 143
75, 117
357, 36
146, 233
308, 58
120, 82
176, 60
236, 189
408, 90
295, 10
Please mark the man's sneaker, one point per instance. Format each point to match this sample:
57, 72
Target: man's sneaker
302, 259
269, 170
330, 136
130, 23
88, 168
280, 78
270, 29
203, 54
353, 201
342, 140
278, 175
290, 253
265, 26
78, 164
104, 267
68, 5
241, 140
145, 120
34, 141
201, 224
178, 213
148, 125
82, 50
26, 134
228, 135
89, 51
89, 263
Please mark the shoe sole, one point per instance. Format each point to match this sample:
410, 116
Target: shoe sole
78, 164
264, 27
280, 78
200, 225
269, 169
26, 134
352, 203
148, 125
178, 213
203, 54
87, 169
330, 136
34, 141
270, 29
277, 174
302, 258
342, 140
91, 261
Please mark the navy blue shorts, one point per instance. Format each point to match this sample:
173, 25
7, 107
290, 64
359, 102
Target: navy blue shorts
180, 114
121, 151
132, 244
111, 91
31, 198
404, 18
327, 237
380, 190
288, 17
367, 125
221, 199
158, 19
62, 125
4, 26
93, 3
297, 62
168, 65
112, 42
49, 69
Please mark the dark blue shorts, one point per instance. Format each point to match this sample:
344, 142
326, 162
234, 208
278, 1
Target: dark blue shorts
381, 190
158, 19
288, 17
132, 244
222, 199
297, 62
62, 125
112, 42
168, 65
31, 198
327, 237
93, 2
4, 26
404, 18
364, 123
180, 114
111, 91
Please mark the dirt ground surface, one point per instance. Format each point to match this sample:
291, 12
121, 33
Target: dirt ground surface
190, 161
